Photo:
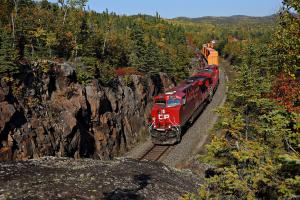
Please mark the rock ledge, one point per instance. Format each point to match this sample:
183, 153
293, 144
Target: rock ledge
65, 178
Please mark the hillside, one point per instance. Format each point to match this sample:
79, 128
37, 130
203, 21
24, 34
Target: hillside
231, 19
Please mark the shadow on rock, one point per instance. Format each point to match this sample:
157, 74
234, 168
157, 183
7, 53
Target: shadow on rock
142, 180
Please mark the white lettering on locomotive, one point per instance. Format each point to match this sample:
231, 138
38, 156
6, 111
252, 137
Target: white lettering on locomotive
167, 116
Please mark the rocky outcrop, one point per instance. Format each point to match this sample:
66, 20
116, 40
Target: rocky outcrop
50, 114
64, 178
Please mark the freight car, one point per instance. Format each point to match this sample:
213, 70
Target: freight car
210, 54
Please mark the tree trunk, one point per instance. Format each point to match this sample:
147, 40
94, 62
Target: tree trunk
13, 29
13, 20
65, 15
32, 49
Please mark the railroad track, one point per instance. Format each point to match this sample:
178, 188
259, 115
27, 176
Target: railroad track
155, 153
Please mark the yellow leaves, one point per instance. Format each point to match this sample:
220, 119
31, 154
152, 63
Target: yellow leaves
297, 123
188, 196
288, 189
290, 159
39, 32
44, 65
7, 79
293, 74
264, 174
51, 39
216, 152
230, 184
230, 123
249, 152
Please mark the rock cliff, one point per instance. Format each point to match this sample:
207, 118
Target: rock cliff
50, 114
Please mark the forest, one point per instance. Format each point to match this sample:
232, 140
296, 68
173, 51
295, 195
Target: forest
37, 31
255, 147
66, 31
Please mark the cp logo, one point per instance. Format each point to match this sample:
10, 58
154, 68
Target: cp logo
164, 116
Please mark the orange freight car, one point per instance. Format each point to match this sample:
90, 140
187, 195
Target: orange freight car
210, 54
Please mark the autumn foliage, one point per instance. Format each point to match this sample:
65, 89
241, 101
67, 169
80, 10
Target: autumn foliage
255, 148
286, 91
127, 71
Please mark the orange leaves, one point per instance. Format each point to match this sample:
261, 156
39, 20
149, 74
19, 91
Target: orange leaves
127, 71
286, 91
69, 34
80, 13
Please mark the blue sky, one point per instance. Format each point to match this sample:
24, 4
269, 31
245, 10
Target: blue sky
187, 8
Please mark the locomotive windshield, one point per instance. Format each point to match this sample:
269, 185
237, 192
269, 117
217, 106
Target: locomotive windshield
208, 69
173, 102
160, 102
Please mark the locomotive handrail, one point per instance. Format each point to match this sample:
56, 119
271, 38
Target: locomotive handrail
174, 123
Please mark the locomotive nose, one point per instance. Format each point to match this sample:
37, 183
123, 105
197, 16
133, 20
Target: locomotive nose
162, 119
162, 115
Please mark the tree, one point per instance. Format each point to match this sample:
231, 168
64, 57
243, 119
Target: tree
14, 16
287, 37
152, 58
137, 57
67, 4
7, 54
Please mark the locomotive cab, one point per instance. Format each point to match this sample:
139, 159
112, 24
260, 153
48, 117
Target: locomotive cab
165, 125
172, 110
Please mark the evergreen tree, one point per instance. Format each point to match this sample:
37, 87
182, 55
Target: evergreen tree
7, 54
152, 58
137, 57
287, 37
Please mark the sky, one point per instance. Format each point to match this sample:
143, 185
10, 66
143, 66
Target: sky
187, 8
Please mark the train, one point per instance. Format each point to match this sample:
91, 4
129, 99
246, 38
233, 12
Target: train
180, 105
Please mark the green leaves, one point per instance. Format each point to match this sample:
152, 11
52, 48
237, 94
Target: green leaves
8, 54
228, 184
287, 37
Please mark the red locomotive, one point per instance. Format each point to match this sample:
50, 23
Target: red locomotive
212, 72
172, 110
